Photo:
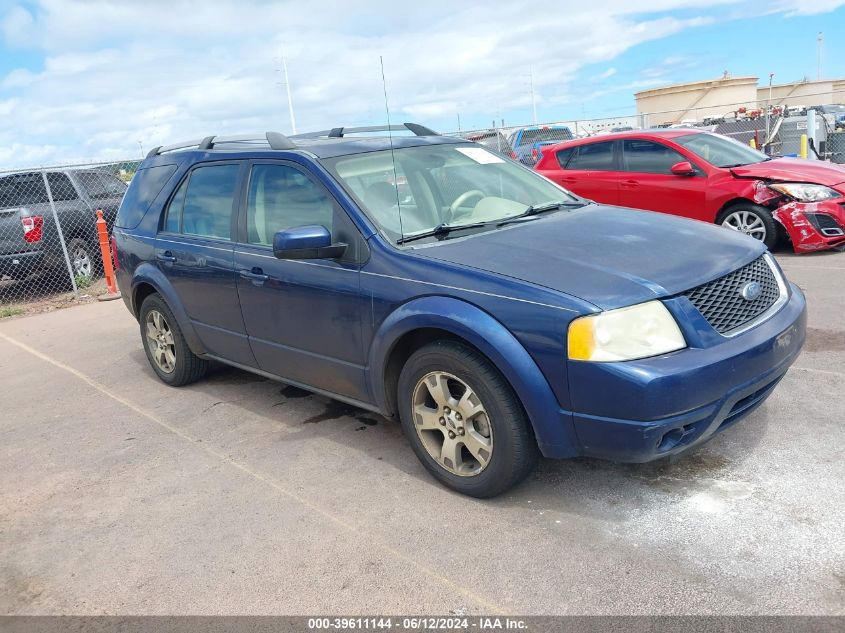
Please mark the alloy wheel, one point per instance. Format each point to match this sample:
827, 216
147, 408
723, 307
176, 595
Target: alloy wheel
82, 264
452, 424
160, 341
746, 222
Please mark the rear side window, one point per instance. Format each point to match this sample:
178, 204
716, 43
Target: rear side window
145, 186
22, 189
61, 187
649, 157
281, 197
564, 156
209, 198
594, 156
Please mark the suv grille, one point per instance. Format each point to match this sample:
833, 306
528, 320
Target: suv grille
721, 301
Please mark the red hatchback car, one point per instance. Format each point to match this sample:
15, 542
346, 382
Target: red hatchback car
707, 177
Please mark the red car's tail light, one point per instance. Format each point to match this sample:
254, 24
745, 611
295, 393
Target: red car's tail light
33, 226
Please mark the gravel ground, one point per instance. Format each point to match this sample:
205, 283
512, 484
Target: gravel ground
237, 495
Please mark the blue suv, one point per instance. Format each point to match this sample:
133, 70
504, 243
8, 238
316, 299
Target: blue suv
496, 314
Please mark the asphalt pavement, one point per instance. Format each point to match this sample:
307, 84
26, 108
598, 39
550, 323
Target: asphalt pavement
238, 495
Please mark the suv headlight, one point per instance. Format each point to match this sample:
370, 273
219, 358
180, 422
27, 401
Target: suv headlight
643, 330
805, 193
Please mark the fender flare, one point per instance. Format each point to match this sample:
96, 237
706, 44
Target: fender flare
553, 427
150, 274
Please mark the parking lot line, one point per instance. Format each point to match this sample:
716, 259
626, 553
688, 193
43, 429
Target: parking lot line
826, 372
275, 485
800, 267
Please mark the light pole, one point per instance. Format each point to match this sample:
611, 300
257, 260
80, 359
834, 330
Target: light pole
769, 107
141, 145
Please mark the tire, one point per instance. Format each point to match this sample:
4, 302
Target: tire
753, 220
178, 367
84, 259
507, 453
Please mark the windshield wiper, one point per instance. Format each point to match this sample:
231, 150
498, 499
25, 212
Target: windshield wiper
536, 209
439, 231
768, 158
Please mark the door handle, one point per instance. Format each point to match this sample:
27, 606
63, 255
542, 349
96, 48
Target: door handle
256, 276
166, 256
630, 184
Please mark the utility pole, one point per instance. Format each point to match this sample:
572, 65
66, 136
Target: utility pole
819, 42
459, 121
769, 107
287, 88
141, 145
533, 100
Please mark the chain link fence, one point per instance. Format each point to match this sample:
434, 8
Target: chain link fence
777, 132
48, 232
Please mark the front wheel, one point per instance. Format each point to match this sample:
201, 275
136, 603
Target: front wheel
753, 220
464, 421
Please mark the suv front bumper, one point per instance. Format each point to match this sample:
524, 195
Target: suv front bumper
638, 411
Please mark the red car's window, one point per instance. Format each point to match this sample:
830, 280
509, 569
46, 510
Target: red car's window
594, 156
647, 157
564, 156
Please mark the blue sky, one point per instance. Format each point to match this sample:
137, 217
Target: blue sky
89, 79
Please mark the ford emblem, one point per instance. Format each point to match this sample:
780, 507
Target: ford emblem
751, 291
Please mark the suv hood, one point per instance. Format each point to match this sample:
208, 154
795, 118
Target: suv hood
793, 170
608, 256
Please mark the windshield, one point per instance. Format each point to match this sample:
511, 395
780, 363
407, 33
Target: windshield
437, 185
719, 150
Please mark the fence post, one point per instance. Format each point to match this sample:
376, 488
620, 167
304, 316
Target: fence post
60, 233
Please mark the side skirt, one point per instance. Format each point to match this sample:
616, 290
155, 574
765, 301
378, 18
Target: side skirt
322, 392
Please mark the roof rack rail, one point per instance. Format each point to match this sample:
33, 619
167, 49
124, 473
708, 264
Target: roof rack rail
340, 132
275, 140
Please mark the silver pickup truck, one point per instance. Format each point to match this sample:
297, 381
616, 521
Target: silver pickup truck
29, 239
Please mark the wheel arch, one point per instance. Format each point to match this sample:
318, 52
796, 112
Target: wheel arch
426, 319
150, 280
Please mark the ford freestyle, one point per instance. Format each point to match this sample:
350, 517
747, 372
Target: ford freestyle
497, 315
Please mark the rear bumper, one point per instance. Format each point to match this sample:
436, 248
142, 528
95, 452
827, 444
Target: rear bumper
678, 401
19, 265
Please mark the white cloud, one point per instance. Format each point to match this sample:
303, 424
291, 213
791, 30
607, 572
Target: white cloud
115, 73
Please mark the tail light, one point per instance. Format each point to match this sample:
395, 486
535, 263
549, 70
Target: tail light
114, 259
33, 228
514, 156
535, 155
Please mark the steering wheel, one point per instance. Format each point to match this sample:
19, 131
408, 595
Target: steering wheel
461, 199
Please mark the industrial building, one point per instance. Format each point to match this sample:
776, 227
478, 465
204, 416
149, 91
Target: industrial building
698, 100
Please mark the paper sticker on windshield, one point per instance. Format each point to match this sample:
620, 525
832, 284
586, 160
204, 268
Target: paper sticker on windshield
480, 155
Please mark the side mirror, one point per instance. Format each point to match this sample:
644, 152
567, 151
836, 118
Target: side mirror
306, 242
684, 168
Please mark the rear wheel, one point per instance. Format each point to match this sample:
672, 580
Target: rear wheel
753, 220
165, 346
83, 260
464, 421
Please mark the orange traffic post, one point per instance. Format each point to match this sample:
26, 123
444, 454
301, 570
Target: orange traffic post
108, 269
